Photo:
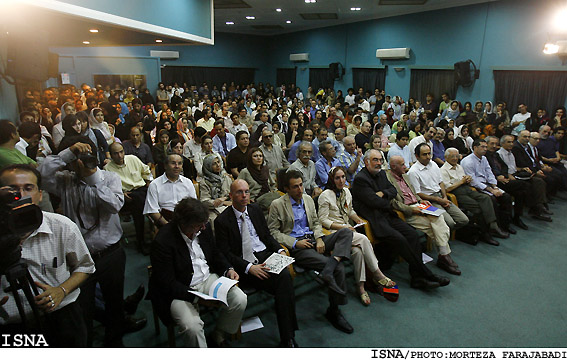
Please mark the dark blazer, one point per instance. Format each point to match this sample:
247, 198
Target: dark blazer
523, 160
497, 165
377, 210
230, 240
172, 269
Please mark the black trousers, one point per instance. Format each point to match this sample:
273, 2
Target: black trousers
520, 190
340, 243
62, 328
561, 173
136, 206
504, 210
404, 241
110, 275
281, 286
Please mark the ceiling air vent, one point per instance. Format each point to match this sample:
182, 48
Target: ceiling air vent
231, 4
402, 2
319, 16
267, 27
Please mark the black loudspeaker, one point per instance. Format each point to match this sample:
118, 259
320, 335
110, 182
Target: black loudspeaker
464, 75
334, 70
28, 55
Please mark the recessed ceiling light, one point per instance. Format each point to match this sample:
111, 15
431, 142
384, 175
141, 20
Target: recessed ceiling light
86, 42
159, 41
310, 1
354, 9
250, 17
279, 10
93, 30
230, 23
288, 22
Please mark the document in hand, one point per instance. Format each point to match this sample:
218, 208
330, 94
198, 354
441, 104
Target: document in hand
277, 262
218, 291
433, 211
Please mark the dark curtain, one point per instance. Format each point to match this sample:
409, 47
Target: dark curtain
320, 78
368, 78
196, 75
285, 76
547, 89
434, 81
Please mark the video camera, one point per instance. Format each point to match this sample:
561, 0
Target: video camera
19, 217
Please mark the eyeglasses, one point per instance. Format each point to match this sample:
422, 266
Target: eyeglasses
268, 136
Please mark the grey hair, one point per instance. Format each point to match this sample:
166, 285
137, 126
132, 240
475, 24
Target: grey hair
503, 138
348, 137
490, 137
303, 143
543, 126
341, 130
367, 154
448, 151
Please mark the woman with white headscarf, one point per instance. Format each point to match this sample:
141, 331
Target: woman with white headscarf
96, 121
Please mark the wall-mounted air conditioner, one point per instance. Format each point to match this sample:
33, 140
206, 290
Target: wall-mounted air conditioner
165, 54
395, 53
299, 57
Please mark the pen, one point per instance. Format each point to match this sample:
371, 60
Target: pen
43, 272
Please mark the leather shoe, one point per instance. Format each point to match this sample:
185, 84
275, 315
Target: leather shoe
329, 280
542, 217
518, 222
511, 230
338, 320
546, 211
289, 343
131, 302
443, 281
488, 239
132, 324
445, 264
422, 283
499, 233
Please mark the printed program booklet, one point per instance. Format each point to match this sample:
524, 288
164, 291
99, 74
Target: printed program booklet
218, 291
430, 210
277, 262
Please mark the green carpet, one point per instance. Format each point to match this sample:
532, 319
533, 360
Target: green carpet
508, 296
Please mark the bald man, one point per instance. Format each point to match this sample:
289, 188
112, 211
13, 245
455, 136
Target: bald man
243, 236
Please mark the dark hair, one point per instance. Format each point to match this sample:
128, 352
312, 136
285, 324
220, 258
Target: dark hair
321, 128
7, 129
403, 133
331, 180
199, 132
29, 129
240, 134
22, 167
323, 146
190, 211
477, 142
219, 121
418, 148
67, 124
24, 113
292, 174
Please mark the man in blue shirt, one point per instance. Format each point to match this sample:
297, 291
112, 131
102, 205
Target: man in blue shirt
325, 163
308, 137
548, 148
438, 147
293, 222
401, 148
476, 165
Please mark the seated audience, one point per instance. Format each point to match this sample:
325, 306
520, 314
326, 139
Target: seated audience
407, 201
400, 148
273, 154
293, 222
426, 138
244, 238
372, 195
237, 157
325, 163
159, 151
185, 258
351, 158
305, 165
261, 182
335, 213
135, 146
223, 141
214, 186
307, 136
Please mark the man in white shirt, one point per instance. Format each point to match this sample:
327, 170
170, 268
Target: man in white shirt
425, 177
518, 121
365, 106
207, 121
349, 98
167, 190
401, 148
223, 142
427, 137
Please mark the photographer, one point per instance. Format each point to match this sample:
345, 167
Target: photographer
58, 260
92, 198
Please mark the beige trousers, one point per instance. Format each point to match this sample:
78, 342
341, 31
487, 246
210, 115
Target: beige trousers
362, 256
186, 314
435, 228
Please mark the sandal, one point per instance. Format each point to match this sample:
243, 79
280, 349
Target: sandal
389, 289
365, 299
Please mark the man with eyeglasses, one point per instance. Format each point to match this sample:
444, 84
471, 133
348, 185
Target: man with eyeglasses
372, 194
185, 258
92, 198
274, 156
305, 165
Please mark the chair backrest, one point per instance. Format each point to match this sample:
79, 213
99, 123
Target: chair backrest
196, 184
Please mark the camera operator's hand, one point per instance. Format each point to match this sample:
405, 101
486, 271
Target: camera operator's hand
79, 148
4, 300
49, 299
